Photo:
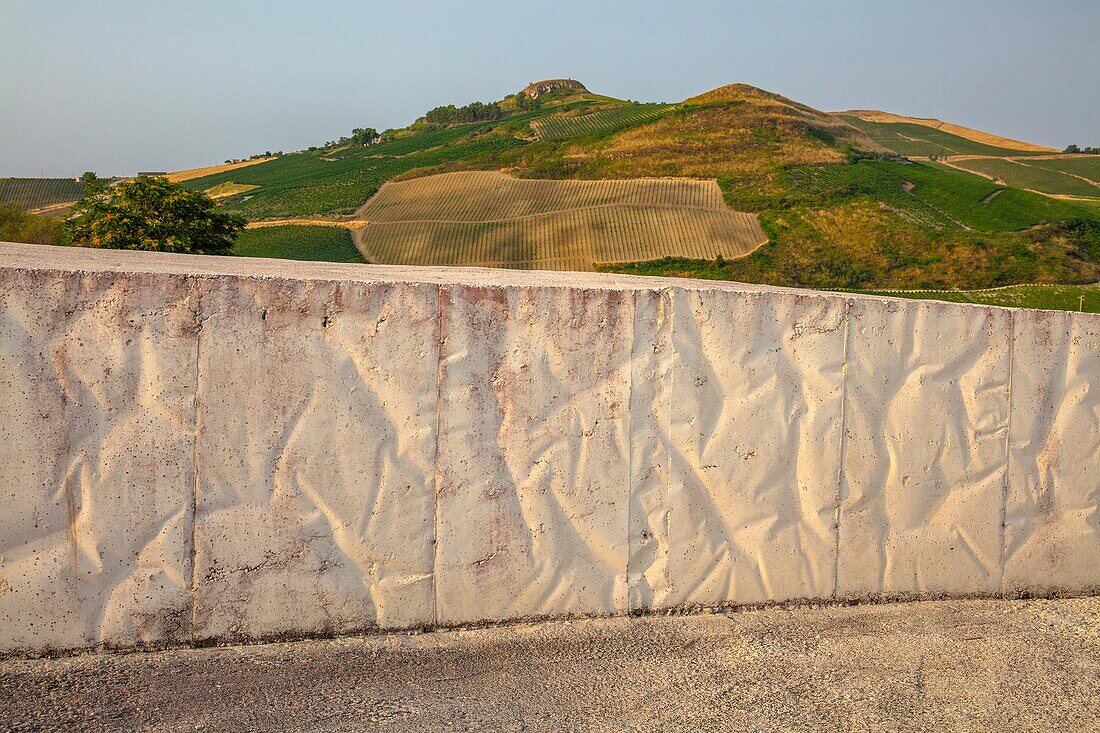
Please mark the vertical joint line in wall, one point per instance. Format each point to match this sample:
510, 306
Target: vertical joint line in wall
1008, 447
670, 382
842, 448
630, 443
195, 405
435, 458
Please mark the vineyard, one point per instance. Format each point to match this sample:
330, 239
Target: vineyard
297, 243
33, 193
491, 220
1086, 166
933, 197
325, 181
919, 141
1048, 297
877, 181
487, 195
1022, 175
599, 122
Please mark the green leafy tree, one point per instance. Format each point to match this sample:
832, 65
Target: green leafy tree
151, 214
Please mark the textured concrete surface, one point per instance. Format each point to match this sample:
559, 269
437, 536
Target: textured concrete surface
942, 665
199, 449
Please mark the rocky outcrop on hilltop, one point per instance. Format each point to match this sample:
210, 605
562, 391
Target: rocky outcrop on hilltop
546, 86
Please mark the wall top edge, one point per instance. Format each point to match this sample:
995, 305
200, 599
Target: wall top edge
47, 258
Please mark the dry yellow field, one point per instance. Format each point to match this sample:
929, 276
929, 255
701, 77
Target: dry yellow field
224, 190
190, 173
338, 223
489, 219
977, 136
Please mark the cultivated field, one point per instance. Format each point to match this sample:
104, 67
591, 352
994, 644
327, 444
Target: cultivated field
491, 220
298, 243
936, 197
337, 182
1086, 166
914, 140
34, 193
1048, 297
191, 173
968, 133
602, 121
488, 195
224, 190
1024, 175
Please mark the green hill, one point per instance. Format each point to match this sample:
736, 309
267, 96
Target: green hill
839, 204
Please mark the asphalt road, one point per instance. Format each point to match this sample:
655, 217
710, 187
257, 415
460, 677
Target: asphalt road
946, 665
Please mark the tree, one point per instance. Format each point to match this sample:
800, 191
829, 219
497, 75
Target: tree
1072, 149
151, 214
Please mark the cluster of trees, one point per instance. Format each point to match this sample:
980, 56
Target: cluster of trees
364, 135
266, 154
359, 136
1086, 151
472, 112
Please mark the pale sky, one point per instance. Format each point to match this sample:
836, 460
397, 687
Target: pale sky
117, 87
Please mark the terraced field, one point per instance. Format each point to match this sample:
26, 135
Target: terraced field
601, 121
920, 141
33, 193
491, 220
1024, 175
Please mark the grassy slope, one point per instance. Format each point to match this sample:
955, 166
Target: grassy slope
330, 244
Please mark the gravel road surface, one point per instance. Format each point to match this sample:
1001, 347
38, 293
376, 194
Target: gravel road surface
945, 665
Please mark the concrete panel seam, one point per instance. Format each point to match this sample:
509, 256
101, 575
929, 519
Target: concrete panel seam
843, 443
630, 441
199, 325
439, 340
1008, 447
666, 298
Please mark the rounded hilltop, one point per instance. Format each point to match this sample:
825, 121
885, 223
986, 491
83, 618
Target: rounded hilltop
548, 86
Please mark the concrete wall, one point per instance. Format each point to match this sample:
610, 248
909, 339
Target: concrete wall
215, 449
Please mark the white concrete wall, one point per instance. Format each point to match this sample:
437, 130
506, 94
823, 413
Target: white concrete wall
215, 449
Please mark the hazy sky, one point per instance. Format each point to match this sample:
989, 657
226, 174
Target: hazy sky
117, 87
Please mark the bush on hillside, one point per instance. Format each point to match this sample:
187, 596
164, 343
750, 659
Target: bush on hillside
17, 225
